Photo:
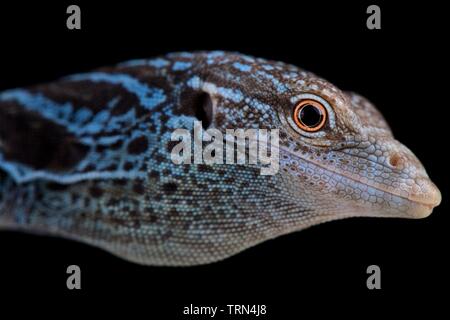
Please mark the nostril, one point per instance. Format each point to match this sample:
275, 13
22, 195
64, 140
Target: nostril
395, 160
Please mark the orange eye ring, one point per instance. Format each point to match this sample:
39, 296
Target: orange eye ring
310, 115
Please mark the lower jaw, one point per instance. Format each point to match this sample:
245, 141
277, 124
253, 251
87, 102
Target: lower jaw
420, 211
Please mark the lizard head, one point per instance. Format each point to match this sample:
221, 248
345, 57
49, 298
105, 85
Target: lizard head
340, 146
337, 153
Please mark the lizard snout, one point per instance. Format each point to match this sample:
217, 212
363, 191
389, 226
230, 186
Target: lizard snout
426, 196
413, 182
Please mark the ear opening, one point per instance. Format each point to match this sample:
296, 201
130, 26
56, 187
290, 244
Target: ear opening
199, 105
204, 109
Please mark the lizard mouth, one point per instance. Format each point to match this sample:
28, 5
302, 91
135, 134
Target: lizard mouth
420, 210
428, 197
410, 205
417, 203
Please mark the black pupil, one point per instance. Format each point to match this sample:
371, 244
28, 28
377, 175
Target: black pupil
310, 116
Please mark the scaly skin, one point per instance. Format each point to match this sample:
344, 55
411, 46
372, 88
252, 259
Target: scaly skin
88, 158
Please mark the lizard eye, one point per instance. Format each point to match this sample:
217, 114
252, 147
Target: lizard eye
310, 115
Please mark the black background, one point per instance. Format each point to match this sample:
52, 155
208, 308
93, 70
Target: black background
320, 270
